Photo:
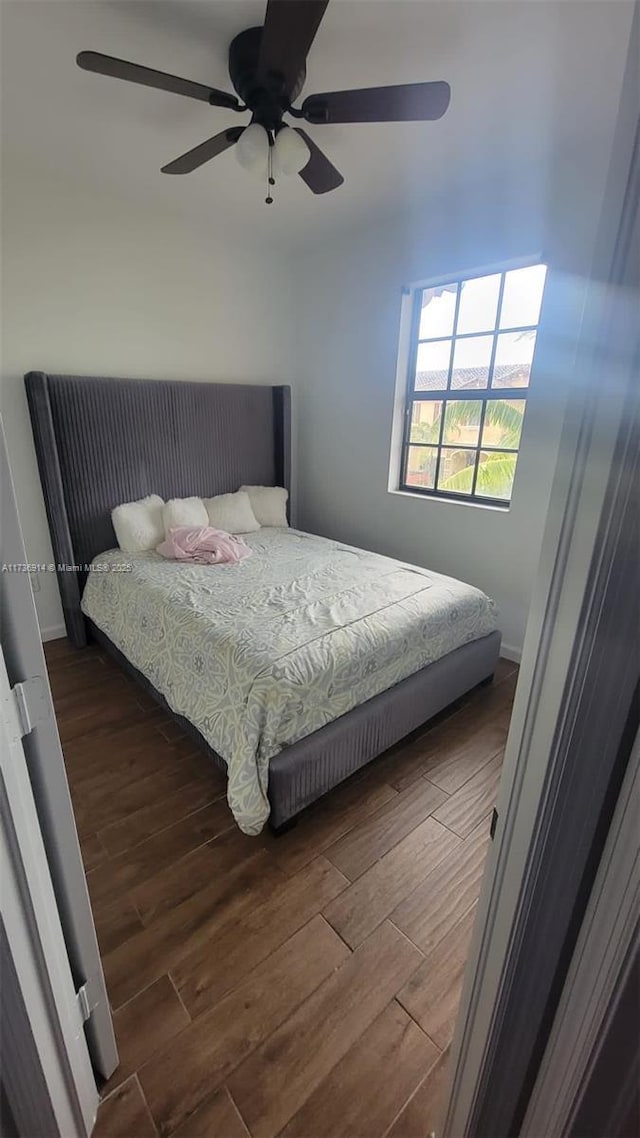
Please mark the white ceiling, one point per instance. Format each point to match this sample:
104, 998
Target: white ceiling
531, 80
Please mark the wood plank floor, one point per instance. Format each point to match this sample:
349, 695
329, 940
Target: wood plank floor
304, 986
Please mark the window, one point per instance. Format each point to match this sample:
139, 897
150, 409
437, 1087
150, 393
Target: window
470, 355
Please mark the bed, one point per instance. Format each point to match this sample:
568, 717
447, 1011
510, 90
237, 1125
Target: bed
295, 667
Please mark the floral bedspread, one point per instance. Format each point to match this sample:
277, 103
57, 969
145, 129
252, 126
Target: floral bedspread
260, 654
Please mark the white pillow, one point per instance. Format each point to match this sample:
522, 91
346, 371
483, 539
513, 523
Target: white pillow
231, 512
269, 504
139, 525
184, 512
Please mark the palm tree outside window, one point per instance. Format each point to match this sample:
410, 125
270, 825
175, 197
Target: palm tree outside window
472, 347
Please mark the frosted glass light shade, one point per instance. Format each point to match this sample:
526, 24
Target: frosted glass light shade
290, 152
252, 148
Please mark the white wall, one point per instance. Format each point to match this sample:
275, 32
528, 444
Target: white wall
348, 323
95, 286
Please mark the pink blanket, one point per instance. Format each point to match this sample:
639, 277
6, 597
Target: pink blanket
204, 544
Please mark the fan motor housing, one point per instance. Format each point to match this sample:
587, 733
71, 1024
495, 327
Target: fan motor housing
268, 99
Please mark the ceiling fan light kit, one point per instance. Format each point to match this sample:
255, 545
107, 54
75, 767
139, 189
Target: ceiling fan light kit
272, 154
290, 152
252, 150
267, 67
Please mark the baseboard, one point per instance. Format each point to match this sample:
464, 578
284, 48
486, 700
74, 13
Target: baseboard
56, 632
510, 653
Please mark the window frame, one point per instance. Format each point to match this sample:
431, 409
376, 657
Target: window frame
448, 394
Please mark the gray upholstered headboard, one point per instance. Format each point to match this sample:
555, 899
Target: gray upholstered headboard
101, 441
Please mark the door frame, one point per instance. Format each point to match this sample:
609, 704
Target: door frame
572, 724
26, 666
601, 973
47, 1023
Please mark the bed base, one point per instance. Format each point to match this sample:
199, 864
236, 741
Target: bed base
278, 831
308, 769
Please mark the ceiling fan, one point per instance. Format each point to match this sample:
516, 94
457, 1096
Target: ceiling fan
267, 66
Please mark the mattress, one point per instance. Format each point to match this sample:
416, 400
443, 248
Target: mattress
261, 654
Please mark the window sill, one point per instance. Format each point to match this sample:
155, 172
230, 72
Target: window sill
451, 501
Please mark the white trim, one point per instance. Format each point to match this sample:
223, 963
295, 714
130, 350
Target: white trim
55, 632
38, 1027
36, 941
599, 962
26, 662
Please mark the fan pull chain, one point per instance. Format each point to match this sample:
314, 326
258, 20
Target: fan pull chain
270, 178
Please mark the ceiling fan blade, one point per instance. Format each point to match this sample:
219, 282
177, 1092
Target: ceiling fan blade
205, 151
408, 102
319, 174
134, 73
290, 28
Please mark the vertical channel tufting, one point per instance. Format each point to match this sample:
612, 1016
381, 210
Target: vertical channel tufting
104, 441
